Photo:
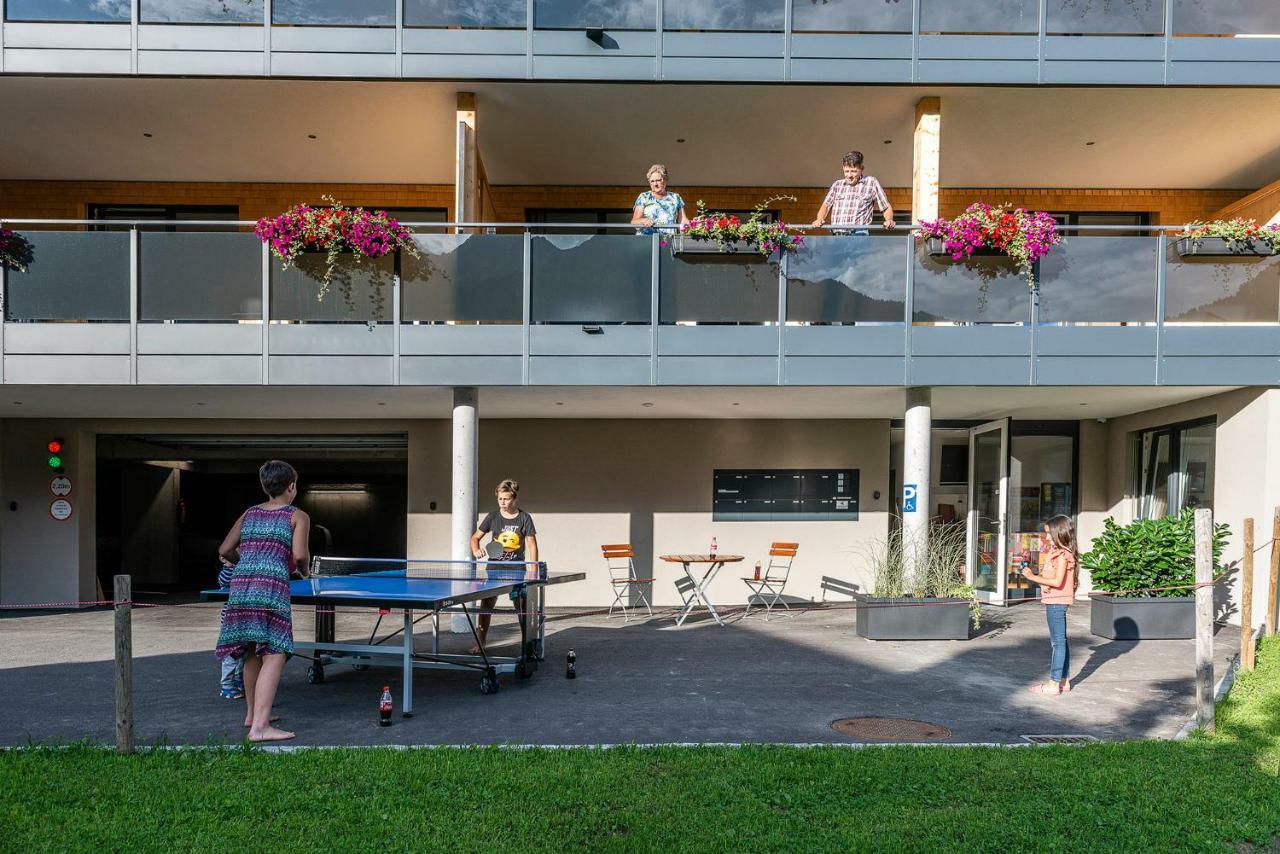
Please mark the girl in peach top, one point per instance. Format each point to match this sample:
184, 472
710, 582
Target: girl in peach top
1057, 590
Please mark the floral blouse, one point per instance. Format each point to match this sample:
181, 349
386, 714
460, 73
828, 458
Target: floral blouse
663, 211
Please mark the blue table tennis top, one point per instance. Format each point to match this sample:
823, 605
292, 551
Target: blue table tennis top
394, 590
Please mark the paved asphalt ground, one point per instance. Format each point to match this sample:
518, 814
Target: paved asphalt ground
648, 681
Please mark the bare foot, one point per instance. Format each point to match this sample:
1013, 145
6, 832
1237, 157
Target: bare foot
475, 650
1064, 686
249, 721
1050, 688
270, 734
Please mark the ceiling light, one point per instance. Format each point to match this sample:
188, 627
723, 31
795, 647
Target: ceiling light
311, 136
382, 403
1090, 142
646, 404
199, 403
888, 142
680, 140
147, 135
559, 403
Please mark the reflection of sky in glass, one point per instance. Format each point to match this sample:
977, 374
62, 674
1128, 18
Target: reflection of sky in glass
69, 10
1099, 279
757, 15
355, 12
1105, 16
1226, 16
980, 16
847, 280
493, 14
611, 14
954, 290
1234, 291
201, 11
851, 16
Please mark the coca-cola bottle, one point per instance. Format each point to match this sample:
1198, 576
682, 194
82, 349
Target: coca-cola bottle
384, 707
713, 546
571, 660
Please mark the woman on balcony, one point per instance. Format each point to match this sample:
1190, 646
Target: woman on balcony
656, 209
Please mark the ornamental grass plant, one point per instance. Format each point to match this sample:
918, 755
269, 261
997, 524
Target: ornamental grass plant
939, 564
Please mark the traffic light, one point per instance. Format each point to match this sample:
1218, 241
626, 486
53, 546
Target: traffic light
54, 447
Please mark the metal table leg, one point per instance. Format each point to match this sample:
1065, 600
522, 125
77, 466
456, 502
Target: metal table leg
699, 593
406, 704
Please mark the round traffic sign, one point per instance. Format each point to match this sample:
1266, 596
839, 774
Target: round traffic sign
60, 509
60, 485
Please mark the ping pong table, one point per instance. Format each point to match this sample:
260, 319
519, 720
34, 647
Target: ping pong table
437, 587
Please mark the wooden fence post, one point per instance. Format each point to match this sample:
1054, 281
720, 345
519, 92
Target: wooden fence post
1204, 619
1273, 588
124, 663
1246, 600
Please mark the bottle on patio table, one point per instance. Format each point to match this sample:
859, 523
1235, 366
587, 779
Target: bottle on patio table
757, 570
713, 546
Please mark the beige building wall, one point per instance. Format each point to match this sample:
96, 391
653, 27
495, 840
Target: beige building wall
1246, 474
649, 483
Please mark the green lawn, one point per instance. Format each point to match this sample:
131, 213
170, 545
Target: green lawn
1207, 793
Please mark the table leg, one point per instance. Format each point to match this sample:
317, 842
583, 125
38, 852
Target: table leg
693, 597
406, 703
707, 578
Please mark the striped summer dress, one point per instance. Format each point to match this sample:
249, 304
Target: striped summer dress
256, 617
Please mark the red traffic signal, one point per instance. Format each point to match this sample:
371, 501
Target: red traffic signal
55, 446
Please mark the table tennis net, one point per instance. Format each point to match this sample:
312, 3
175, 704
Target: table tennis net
460, 570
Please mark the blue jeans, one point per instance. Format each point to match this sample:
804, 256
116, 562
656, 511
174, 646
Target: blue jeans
233, 673
1060, 658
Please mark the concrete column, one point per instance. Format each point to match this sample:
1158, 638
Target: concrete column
926, 173
466, 451
466, 182
916, 450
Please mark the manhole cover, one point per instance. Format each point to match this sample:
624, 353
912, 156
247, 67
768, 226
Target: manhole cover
890, 729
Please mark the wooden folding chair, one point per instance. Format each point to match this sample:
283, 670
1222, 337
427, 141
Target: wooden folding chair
769, 586
620, 558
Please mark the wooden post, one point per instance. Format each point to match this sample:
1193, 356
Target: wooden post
1204, 619
124, 664
1273, 587
1246, 600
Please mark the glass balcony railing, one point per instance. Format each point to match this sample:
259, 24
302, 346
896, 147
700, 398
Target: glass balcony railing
936, 17
576, 275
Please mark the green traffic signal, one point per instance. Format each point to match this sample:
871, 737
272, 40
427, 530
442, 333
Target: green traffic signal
55, 462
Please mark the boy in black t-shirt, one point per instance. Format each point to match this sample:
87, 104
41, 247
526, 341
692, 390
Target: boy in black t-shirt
513, 531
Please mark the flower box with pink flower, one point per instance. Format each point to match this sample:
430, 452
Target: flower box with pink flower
1234, 238
993, 231
711, 236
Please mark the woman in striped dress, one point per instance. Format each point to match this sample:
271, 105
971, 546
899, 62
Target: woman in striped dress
266, 543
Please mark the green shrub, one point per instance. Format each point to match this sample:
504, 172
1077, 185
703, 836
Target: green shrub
1150, 553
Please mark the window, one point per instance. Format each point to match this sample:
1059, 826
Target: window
70, 11
334, 13
201, 12
725, 16
1175, 466
487, 14
176, 213
580, 14
850, 16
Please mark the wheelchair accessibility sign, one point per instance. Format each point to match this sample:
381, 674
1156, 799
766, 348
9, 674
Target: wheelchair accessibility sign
908, 498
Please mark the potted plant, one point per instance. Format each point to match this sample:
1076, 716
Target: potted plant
15, 251
335, 231
1146, 571
932, 602
719, 236
1024, 236
1227, 237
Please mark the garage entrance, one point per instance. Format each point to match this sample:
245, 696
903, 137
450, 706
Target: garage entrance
164, 502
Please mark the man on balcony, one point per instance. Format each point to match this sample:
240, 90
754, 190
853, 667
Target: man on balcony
851, 201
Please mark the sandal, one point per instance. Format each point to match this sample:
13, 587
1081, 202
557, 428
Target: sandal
1047, 688
231, 694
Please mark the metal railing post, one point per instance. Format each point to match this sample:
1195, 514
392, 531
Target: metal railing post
266, 315
782, 314
526, 306
133, 304
396, 293
908, 306
1162, 270
655, 306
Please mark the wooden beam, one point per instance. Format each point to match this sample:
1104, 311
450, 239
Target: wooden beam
926, 173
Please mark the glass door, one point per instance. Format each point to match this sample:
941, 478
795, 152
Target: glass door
988, 488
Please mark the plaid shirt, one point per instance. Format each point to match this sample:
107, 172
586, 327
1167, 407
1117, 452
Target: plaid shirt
854, 204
